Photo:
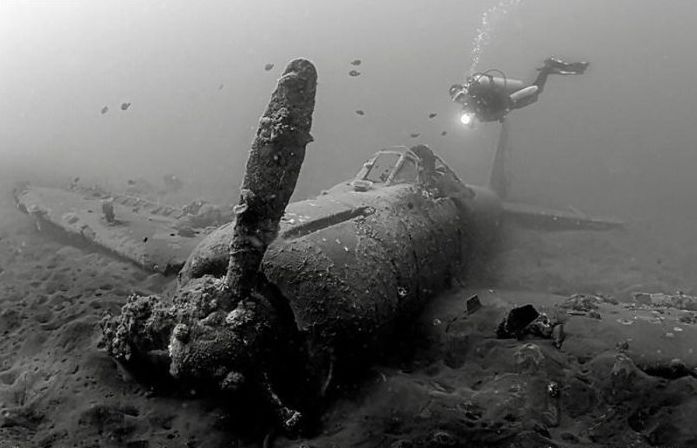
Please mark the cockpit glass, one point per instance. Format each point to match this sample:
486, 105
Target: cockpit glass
407, 172
381, 168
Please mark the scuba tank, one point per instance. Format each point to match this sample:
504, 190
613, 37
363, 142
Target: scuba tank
486, 81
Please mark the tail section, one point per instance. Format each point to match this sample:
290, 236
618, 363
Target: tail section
499, 179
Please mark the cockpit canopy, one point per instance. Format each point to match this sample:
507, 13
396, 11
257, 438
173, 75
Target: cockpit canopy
402, 165
391, 166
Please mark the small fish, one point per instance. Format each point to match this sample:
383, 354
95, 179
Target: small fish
145, 239
432, 115
444, 133
354, 73
356, 62
360, 112
414, 135
125, 106
105, 109
220, 87
268, 67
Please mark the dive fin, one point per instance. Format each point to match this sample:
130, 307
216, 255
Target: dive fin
559, 67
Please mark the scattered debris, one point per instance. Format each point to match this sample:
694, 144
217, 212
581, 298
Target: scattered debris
444, 133
688, 317
356, 62
74, 183
473, 304
220, 87
679, 300
642, 298
514, 325
582, 303
442, 438
108, 210
593, 314
354, 73
105, 109
525, 321
586, 305
541, 327
558, 335
125, 106
622, 346
529, 358
268, 67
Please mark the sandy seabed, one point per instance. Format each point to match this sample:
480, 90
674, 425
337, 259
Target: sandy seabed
461, 386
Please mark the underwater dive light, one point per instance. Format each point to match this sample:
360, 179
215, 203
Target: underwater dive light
467, 118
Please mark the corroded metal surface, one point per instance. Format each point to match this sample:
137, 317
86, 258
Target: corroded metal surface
272, 171
350, 282
141, 231
276, 300
229, 331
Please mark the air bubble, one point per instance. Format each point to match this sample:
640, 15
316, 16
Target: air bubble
490, 18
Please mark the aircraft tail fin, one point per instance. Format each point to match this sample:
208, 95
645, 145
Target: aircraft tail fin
499, 178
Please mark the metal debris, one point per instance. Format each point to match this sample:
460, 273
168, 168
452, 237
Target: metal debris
517, 320
558, 335
473, 304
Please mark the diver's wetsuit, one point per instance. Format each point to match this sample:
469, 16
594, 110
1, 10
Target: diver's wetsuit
491, 100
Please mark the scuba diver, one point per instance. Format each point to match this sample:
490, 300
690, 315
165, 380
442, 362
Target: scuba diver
490, 98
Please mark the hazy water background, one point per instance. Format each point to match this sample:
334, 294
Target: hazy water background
620, 140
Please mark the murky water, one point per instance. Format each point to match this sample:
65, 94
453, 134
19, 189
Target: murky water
129, 95
491, 20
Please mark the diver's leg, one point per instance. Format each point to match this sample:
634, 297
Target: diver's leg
558, 67
525, 96
541, 79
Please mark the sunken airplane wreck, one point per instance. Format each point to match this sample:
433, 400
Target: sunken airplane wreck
287, 297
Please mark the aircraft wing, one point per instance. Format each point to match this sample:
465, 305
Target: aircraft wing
550, 219
144, 234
